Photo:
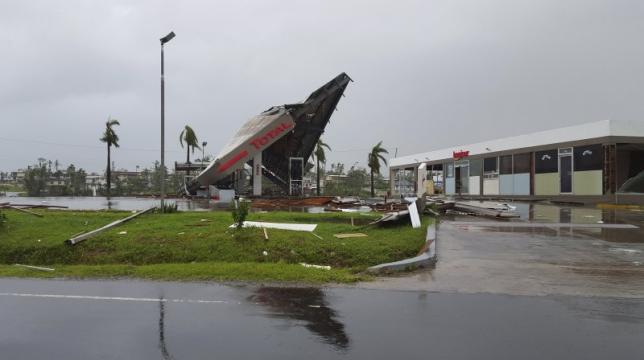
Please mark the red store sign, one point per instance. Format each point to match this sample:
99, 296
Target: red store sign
457, 155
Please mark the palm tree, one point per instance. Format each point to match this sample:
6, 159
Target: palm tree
188, 135
320, 157
373, 161
110, 138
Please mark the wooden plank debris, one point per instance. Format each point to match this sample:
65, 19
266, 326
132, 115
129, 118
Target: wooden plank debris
350, 235
87, 235
35, 267
322, 267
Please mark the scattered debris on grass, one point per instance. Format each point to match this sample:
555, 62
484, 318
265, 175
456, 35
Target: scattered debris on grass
413, 215
14, 207
31, 206
351, 235
40, 268
280, 226
76, 239
323, 267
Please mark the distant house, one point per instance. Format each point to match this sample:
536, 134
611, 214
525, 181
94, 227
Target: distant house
95, 181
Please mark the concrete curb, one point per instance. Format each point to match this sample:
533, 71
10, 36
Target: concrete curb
427, 258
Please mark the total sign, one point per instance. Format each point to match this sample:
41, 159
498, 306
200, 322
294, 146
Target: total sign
258, 143
264, 139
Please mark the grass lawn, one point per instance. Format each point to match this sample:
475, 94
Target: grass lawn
200, 246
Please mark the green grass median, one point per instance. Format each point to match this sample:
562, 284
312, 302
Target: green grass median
201, 246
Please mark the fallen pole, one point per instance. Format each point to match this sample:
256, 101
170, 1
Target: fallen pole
83, 237
40, 205
25, 211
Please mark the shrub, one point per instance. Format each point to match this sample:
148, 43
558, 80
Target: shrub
239, 211
167, 208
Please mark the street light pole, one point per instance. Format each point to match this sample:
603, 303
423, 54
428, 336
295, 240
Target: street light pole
203, 150
164, 40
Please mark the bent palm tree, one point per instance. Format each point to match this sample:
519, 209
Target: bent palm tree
320, 157
373, 161
110, 138
190, 138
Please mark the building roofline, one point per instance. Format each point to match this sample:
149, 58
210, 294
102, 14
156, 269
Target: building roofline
574, 133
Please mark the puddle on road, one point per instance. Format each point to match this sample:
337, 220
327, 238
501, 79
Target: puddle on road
307, 305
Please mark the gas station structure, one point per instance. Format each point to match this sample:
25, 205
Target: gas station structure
275, 144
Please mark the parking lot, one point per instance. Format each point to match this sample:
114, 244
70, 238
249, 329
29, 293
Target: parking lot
551, 249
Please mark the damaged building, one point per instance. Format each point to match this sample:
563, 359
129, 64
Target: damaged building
598, 161
274, 146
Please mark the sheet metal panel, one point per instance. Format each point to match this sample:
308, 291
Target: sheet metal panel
521, 184
506, 184
255, 136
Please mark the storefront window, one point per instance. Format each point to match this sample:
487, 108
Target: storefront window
506, 165
588, 157
476, 167
490, 165
546, 161
450, 170
521, 163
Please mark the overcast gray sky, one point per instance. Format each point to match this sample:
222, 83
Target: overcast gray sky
428, 74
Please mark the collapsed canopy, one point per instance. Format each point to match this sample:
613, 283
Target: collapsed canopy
279, 133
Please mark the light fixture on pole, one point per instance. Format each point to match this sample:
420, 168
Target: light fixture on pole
164, 40
203, 150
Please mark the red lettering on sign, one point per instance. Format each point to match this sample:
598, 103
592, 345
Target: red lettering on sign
258, 142
223, 167
460, 154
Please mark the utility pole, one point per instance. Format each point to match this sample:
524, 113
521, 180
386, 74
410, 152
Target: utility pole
164, 40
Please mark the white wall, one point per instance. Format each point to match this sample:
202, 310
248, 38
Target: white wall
506, 184
521, 184
491, 186
475, 185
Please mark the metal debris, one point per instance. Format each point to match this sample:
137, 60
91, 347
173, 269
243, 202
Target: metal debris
75, 240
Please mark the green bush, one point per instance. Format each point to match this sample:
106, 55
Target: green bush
239, 211
167, 208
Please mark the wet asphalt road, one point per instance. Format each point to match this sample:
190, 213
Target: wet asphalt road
126, 320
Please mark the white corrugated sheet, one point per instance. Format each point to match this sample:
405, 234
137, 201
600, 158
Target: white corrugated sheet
281, 226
